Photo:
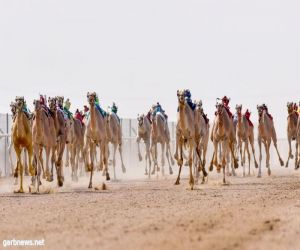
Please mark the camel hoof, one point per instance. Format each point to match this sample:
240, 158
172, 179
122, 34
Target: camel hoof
259, 176
107, 177
146, 173
170, 171
211, 168
60, 182
90, 185
177, 182
140, 158
19, 191
286, 165
153, 172
269, 172
124, 170
256, 165
281, 162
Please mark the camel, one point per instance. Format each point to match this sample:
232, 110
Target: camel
297, 161
75, 145
60, 131
266, 134
223, 134
10, 147
43, 135
95, 134
292, 120
160, 134
114, 133
202, 128
185, 135
245, 135
144, 133
22, 138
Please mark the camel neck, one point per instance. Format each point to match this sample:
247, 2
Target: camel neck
93, 116
38, 121
182, 116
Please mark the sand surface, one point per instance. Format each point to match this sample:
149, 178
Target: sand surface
248, 213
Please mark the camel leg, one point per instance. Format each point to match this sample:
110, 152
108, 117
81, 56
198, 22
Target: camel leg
26, 173
179, 162
243, 160
215, 158
280, 159
138, 140
297, 155
211, 167
267, 145
249, 156
105, 159
205, 174
235, 162
224, 154
290, 155
67, 155
114, 159
260, 158
152, 150
191, 150
168, 155
240, 146
92, 145
163, 158
253, 152
121, 157
53, 160
20, 167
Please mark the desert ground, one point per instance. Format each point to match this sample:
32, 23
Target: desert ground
248, 213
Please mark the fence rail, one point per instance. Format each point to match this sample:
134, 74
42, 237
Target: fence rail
129, 130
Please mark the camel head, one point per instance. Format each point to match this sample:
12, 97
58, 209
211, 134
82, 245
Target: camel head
219, 107
238, 109
91, 97
181, 97
140, 120
52, 104
37, 105
290, 107
260, 109
199, 106
19, 103
60, 101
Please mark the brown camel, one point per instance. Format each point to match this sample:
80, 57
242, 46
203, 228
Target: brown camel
266, 134
43, 138
96, 134
185, 134
114, 134
22, 139
245, 135
202, 136
223, 133
160, 134
297, 161
60, 129
144, 133
292, 120
75, 144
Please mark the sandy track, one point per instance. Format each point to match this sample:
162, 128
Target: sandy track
249, 213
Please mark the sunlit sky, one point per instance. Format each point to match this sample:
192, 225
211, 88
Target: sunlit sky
138, 52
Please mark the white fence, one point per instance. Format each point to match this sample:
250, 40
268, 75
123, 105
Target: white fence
129, 128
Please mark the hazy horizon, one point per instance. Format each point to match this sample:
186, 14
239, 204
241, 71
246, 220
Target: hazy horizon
136, 53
